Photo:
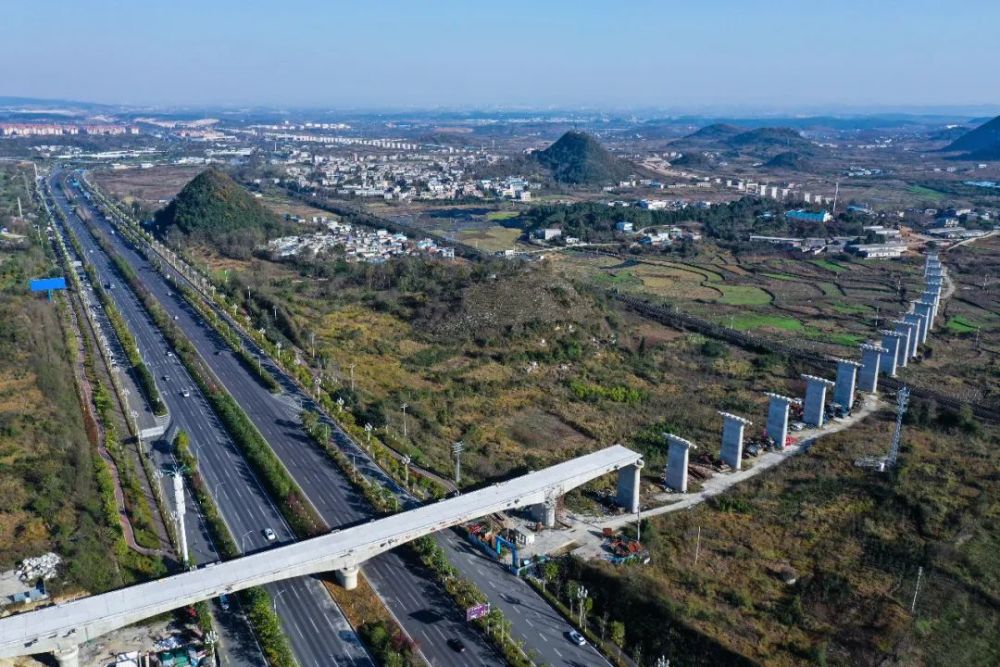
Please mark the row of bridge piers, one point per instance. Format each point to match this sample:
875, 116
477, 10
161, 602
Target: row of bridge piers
897, 347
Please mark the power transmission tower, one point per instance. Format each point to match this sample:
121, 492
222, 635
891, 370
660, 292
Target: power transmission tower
902, 399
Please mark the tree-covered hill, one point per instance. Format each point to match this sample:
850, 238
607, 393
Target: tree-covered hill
579, 159
982, 143
213, 209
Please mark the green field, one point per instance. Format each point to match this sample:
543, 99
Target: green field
961, 325
755, 321
927, 193
743, 295
501, 215
828, 265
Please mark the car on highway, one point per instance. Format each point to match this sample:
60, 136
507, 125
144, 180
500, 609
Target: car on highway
576, 638
166, 378
170, 354
186, 393
269, 535
224, 602
456, 645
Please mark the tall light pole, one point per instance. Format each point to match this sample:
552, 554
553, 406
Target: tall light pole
404, 406
406, 471
582, 593
368, 435
243, 540
352, 377
457, 448
274, 602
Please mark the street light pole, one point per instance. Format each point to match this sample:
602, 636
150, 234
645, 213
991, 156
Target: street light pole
404, 406
457, 449
274, 602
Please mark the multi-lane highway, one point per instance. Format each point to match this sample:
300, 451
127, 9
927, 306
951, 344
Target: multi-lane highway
421, 607
316, 628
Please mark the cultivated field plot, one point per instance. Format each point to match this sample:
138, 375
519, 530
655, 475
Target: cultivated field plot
833, 302
150, 188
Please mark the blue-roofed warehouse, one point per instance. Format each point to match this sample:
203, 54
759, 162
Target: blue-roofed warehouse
808, 216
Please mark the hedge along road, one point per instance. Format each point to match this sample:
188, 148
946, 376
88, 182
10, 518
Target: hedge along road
317, 630
422, 608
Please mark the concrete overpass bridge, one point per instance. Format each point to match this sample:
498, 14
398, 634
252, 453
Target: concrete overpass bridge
60, 629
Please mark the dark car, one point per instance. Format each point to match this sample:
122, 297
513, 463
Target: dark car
456, 645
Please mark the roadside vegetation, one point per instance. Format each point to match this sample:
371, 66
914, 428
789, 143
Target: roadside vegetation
56, 494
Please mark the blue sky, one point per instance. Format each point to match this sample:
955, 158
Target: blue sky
687, 56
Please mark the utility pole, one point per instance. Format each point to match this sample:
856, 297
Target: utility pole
352, 376
368, 435
404, 406
916, 589
406, 471
312, 346
697, 547
638, 525
457, 449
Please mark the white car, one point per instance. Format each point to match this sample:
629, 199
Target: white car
576, 638
186, 393
269, 535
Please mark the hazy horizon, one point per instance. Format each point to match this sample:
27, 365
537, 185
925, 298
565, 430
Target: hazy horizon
721, 57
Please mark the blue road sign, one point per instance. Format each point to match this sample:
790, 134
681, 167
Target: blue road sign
47, 284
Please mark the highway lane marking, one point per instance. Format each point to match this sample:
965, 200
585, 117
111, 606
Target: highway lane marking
528, 621
558, 652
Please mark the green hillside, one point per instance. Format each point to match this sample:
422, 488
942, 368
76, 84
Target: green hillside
579, 159
982, 143
769, 137
214, 210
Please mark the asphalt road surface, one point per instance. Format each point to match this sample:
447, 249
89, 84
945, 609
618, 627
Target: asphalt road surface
421, 607
317, 630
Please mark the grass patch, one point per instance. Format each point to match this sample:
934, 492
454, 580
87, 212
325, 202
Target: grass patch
828, 265
926, 193
758, 321
744, 295
961, 325
501, 215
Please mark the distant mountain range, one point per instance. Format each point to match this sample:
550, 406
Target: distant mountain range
982, 143
763, 142
579, 159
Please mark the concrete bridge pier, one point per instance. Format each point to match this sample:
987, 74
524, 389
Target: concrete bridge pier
68, 657
925, 308
847, 376
933, 298
906, 330
815, 404
892, 343
916, 338
676, 476
732, 439
777, 418
628, 487
348, 577
545, 513
871, 355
